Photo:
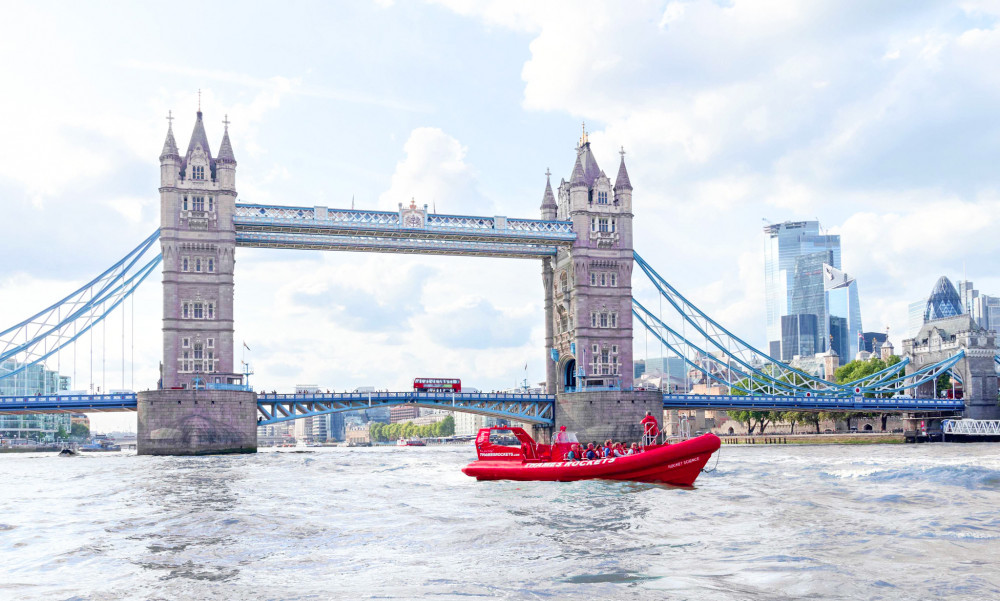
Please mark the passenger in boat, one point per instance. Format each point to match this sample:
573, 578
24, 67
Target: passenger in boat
606, 449
561, 435
634, 449
619, 450
650, 429
571, 454
591, 452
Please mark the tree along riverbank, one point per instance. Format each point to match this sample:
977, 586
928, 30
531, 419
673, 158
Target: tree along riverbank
814, 439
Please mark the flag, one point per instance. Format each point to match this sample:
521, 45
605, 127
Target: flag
834, 278
245, 345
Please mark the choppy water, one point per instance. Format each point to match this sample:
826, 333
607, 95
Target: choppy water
831, 522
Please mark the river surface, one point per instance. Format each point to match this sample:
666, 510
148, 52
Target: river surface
781, 522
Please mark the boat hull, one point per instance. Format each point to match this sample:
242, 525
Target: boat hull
678, 464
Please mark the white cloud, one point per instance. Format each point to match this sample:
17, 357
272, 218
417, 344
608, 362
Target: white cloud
434, 172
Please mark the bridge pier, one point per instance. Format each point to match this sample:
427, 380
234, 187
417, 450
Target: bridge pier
599, 415
196, 422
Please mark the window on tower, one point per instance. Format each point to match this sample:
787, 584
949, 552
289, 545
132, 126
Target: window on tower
602, 198
185, 203
211, 204
211, 265
198, 203
199, 311
184, 263
197, 264
614, 278
211, 310
602, 224
198, 350
185, 308
198, 172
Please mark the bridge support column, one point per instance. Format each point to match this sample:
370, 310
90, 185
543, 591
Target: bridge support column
600, 415
550, 364
196, 422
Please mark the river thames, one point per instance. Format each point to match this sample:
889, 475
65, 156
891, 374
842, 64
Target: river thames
821, 522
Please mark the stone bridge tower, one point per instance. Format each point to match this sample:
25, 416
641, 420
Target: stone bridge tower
588, 304
193, 412
941, 338
198, 240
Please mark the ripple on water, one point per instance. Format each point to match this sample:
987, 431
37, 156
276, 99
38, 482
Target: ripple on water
772, 522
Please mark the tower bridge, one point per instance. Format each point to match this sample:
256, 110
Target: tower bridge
583, 240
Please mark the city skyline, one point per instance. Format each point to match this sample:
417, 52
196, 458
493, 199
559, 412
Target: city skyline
472, 132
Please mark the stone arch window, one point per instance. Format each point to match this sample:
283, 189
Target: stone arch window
613, 320
604, 319
602, 198
198, 172
613, 279
564, 281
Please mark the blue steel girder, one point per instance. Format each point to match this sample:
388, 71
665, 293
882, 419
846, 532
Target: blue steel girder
68, 403
528, 408
44, 334
810, 403
777, 374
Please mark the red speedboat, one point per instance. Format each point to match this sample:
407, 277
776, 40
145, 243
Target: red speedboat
508, 453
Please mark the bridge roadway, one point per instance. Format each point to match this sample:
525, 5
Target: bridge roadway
321, 228
528, 408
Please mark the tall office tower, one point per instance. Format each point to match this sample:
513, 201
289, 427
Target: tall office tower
983, 308
798, 315
844, 308
915, 317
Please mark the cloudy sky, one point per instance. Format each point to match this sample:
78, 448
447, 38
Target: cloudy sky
879, 119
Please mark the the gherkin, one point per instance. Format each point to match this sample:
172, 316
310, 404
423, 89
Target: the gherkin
944, 301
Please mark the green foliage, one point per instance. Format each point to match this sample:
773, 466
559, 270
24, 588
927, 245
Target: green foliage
61, 434
943, 383
756, 420
79, 431
389, 432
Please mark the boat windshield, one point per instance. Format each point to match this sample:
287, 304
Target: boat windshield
564, 436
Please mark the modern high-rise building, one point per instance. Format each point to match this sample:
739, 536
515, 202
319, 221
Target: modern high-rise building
983, 308
915, 317
29, 381
806, 310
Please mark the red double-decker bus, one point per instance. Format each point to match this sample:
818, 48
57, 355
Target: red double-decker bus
437, 385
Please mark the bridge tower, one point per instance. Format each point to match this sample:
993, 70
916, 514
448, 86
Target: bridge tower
588, 304
198, 240
197, 409
941, 338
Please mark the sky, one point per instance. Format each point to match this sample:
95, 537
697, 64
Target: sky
877, 119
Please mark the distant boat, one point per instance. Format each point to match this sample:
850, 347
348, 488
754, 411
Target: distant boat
68, 453
412, 442
102, 445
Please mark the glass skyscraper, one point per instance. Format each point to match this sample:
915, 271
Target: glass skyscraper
802, 314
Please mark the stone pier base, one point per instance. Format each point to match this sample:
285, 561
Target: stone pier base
607, 414
196, 422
